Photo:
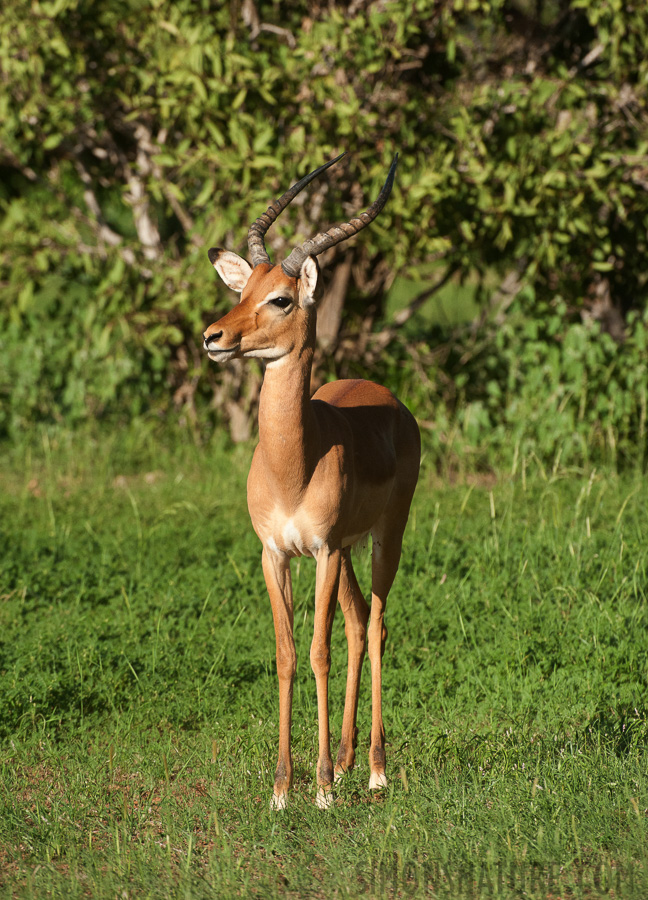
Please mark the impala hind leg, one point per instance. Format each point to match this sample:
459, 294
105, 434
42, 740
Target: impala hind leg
356, 614
387, 542
276, 571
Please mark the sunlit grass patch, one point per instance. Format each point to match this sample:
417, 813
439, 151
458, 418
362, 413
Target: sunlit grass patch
138, 708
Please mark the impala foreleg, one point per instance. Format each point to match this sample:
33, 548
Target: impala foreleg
276, 571
356, 615
326, 591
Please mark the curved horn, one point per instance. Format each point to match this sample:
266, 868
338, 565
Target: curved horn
292, 265
256, 245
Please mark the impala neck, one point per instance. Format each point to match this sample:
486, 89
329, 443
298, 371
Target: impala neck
287, 427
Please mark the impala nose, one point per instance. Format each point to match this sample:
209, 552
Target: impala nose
216, 336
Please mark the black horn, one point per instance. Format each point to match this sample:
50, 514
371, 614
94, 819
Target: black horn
292, 265
256, 233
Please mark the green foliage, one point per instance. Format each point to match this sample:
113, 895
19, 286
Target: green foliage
569, 394
525, 383
136, 134
138, 693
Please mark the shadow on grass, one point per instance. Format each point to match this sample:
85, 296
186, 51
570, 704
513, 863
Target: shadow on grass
622, 730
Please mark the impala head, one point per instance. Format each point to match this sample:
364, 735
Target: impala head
276, 312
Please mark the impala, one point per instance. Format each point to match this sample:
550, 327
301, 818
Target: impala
327, 472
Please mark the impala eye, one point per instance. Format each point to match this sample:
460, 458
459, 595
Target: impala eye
281, 302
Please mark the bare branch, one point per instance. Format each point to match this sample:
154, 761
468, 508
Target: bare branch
387, 335
282, 32
104, 231
330, 308
8, 157
147, 144
147, 230
252, 20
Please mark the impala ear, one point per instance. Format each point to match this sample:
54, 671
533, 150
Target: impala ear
308, 281
234, 270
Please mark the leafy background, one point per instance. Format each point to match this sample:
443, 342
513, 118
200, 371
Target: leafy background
502, 291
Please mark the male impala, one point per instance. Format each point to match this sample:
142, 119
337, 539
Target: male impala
327, 472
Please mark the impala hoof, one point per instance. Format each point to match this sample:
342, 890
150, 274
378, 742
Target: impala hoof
324, 799
277, 802
377, 781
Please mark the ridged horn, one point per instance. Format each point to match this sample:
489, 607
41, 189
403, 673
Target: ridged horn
257, 230
292, 265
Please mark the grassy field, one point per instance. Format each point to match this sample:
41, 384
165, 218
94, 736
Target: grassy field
138, 703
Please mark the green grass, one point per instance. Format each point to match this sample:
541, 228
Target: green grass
138, 703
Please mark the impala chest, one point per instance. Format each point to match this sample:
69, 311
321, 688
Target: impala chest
295, 535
